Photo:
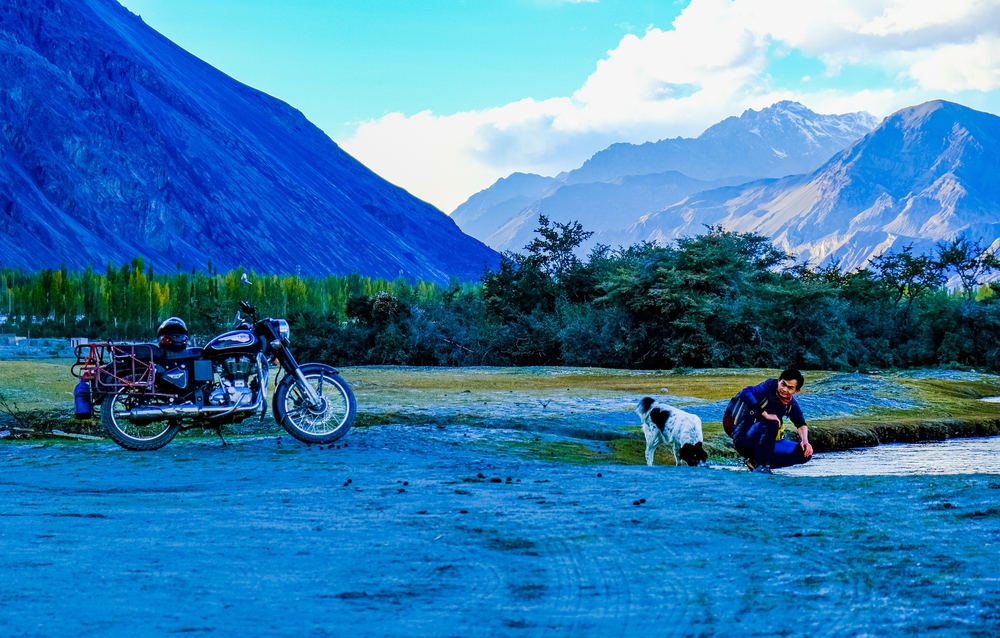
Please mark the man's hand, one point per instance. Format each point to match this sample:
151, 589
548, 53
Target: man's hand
768, 415
804, 435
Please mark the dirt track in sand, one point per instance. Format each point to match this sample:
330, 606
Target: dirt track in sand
265, 539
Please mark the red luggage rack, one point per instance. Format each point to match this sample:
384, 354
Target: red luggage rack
110, 367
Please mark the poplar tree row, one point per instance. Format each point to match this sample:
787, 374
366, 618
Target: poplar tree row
130, 301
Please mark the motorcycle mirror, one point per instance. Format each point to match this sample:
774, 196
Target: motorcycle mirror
245, 281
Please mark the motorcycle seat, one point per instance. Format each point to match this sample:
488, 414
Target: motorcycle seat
187, 353
142, 351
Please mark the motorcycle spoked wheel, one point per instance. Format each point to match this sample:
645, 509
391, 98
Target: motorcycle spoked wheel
324, 423
138, 437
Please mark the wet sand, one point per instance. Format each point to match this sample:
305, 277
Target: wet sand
262, 538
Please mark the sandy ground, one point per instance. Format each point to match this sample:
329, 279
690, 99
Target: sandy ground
395, 534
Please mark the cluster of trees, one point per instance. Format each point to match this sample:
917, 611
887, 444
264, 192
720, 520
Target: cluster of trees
721, 299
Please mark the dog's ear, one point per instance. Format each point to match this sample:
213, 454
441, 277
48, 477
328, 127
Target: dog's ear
686, 453
700, 453
659, 417
647, 403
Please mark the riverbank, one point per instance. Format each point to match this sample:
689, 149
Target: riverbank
954, 456
585, 415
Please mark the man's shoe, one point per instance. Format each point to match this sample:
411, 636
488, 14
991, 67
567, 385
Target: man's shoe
749, 463
762, 469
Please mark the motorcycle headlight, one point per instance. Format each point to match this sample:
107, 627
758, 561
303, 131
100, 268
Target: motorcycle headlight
283, 330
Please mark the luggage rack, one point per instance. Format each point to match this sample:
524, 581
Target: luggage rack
110, 367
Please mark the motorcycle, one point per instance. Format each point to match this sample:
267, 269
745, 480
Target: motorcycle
149, 392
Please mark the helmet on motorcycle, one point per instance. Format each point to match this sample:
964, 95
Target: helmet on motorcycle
173, 334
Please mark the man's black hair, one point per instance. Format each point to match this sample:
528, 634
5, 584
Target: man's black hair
793, 375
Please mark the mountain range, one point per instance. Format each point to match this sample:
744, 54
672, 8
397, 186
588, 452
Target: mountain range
927, 173
924, 175
621, 183
115, 142
782, 139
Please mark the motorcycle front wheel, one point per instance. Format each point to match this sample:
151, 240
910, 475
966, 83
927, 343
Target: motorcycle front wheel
324, 422
138, 437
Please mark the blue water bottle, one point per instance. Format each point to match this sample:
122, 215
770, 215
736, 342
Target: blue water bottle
84, 409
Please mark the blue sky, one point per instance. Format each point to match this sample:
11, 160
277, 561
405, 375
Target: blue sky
443, 97
342, 62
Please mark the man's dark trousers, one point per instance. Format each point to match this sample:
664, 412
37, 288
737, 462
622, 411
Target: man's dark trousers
758, 442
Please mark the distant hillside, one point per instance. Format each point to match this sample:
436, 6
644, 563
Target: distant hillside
116, 142
487, 210
619, 184
782, 139
928, 173
599, 206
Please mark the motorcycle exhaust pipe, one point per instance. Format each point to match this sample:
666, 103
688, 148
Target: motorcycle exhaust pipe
136, 415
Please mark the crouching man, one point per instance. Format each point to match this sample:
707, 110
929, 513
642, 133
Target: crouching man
754, 421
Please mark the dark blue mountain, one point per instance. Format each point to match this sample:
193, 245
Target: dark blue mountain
115, 142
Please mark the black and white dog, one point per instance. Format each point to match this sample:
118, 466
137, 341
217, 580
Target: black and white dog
666, 425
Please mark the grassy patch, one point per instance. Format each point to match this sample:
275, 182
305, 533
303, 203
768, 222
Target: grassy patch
40, 395
559, 400
632, 451
38, 384
395, 417
559, 451
704, 384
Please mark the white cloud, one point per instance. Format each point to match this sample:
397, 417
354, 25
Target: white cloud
711, 64
957, 67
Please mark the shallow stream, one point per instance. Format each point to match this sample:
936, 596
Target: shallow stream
955, 456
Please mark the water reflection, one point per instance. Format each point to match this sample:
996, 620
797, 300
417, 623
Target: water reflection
956, 456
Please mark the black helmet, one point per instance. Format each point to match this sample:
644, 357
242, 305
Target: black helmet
173, 334
173, 325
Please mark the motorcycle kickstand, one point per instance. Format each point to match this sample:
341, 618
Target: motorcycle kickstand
224, 441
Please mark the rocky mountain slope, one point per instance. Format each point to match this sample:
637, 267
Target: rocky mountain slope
115, 142
783, 139
619, 184
928, 173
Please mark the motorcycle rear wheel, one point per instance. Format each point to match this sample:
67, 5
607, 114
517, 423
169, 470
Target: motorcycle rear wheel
138, 437
321, 424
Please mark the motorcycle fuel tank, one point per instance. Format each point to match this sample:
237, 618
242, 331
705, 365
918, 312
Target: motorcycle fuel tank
231, 343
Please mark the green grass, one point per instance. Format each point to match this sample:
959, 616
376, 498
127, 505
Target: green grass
712, 385
559, 451
512, 398
38, 384
39, 393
